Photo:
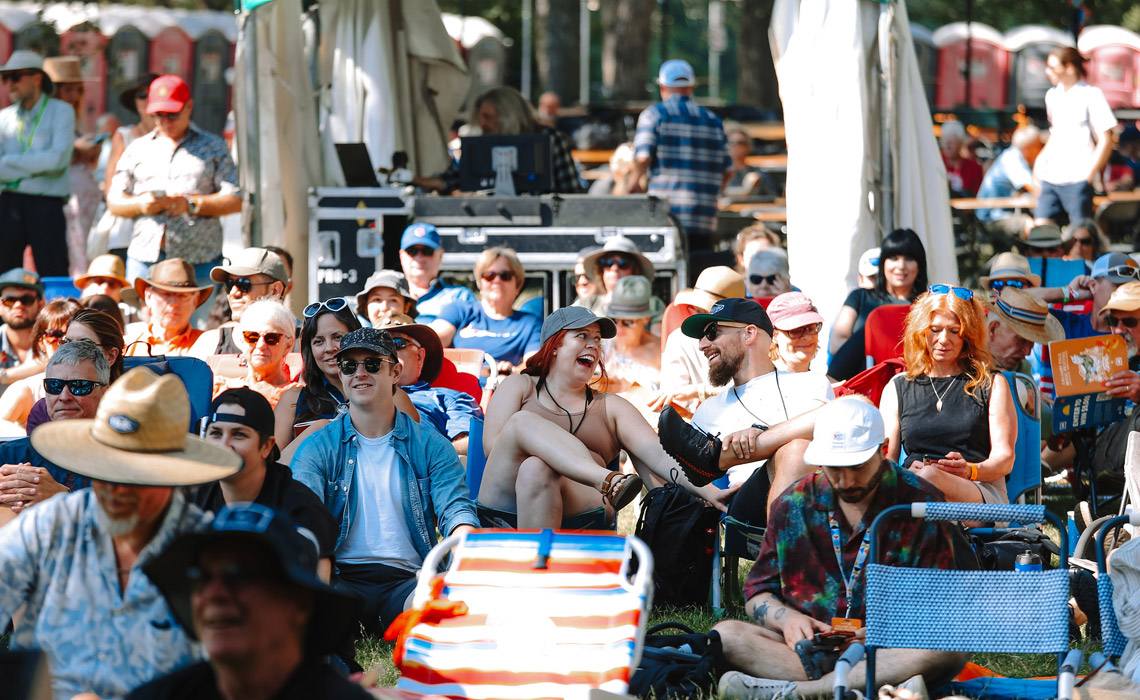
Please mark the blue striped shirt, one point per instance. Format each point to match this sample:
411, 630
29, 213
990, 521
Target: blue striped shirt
688, 155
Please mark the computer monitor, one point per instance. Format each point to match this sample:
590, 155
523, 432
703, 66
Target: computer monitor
509, 165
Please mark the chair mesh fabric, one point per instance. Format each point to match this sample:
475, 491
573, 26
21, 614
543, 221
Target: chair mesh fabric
1114, 641
991, 611
985, 512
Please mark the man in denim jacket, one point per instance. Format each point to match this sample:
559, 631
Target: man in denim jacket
387, 482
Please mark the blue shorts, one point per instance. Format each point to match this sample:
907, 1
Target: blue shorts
1075, 200
382, 591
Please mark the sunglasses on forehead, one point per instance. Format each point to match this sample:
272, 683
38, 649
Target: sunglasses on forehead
335, 304
961, 292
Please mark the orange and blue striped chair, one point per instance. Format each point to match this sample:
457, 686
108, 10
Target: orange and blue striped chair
526, 614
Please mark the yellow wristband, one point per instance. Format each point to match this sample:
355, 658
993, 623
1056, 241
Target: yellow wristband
973, 470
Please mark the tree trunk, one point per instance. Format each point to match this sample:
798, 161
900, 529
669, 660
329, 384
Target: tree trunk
556, 47
756, 84
625, 49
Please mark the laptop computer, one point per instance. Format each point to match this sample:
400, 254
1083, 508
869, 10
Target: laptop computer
356, 165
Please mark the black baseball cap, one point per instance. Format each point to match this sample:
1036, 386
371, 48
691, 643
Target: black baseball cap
728, 310
258, 412
377, 340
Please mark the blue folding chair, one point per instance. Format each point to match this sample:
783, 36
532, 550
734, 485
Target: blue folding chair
984, 611
1114, 641
194, 373
476, 460
1025, 477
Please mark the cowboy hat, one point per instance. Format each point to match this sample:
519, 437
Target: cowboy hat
620, 244
1026, 315
173, 275
714, 284
424, 335
138, 436
1009, 266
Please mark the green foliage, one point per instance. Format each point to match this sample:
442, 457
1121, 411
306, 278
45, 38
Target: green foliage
1007, 14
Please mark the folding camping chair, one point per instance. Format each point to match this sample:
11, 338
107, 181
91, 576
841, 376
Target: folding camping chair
741, 541
1114, 641
992, 611
526, 614
194, 373
1025, 477
883, 333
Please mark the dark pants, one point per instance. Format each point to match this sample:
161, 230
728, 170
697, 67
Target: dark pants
32, 219
380, 589
1075, 200
750, 504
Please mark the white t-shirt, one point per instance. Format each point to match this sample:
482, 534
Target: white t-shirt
758, 401
378, 532
1076, 115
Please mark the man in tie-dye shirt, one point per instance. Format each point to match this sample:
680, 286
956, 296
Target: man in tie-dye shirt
810, 573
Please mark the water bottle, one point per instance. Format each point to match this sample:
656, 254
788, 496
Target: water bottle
1027, 561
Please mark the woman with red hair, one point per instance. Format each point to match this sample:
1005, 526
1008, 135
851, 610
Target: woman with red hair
550, 438
956, 422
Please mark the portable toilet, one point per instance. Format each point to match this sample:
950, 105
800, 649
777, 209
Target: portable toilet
1112, 59
172, 53
1029, 47
213, 55
127, 60
989, 66
927, 54
88, 44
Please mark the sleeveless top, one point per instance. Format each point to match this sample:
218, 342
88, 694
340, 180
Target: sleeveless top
963, 424
594, 432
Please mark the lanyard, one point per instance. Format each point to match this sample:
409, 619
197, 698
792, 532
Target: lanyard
25, 145
860, 560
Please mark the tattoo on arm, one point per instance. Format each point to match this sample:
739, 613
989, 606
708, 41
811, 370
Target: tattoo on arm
760, 614
780, 613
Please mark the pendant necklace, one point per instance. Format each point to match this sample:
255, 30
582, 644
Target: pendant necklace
938, 404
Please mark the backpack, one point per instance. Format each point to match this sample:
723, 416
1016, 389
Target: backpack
871, 382
676, 666
681, 532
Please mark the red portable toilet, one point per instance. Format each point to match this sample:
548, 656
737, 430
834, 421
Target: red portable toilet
1112, 59
172, 53
989, 66
88, 44
12, 20
127, 60
1029, 46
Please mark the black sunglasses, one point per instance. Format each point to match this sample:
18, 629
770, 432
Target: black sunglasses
24, 299
77, 387
234, 577
16, 75
421, 250
621, 263
763, 279
242, 284
372, 365
1113, 321
401, 343
335, 304
142, 95
712, 331
998, 285
505, 275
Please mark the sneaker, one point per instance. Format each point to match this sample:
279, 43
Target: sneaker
735, 684
913, 688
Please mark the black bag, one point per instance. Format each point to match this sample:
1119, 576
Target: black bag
1000, 554
680, 531
676, 666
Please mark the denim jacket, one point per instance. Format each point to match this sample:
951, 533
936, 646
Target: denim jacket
429, 466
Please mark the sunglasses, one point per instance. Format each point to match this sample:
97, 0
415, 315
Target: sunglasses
54, 334
712, 331
763, 279
1113, 321
372, 365
998, 285
1082, 241
335, 304
77, 387
271, 339
234, 577
242, 284
420, 250
490, 275
15, 75
402, 343
810, 329
620, 263
960, 292
629, 322
142, 95
25, 300
168, 116
1123, 271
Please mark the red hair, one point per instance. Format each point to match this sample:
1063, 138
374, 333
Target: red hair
540, 362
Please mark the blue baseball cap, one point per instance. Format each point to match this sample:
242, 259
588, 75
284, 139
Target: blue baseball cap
676, 73
1117, 268
420, 234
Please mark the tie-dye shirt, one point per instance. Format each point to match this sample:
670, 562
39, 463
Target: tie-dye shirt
55, 560
797, 562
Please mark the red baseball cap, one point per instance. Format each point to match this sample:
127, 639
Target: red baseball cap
168, 93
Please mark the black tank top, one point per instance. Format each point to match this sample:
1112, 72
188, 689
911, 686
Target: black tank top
963, 424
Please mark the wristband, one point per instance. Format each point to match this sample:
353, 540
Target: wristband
1068, 295
973, 470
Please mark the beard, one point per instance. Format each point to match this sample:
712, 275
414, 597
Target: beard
19, 324
116, 527
858, 493
725, 367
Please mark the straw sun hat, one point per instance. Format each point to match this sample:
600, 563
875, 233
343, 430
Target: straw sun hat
138, 436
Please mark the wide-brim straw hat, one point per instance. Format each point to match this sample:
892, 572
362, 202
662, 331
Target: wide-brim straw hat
1025, 314
1009, 266
138, 436
173, 275
620, 244
424, 335
714, 284
109, 266
65, 69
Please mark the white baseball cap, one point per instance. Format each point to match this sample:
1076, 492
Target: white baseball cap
676, 73
23, 60
848, 431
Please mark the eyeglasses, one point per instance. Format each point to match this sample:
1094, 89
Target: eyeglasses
271, 339
1113, 321
169, 116
24, 300
712, 331
77, 387
13, 76
54, 334
372, 365
233, 576
611, 261
422, 251
402, 343
763, 279
960, 292
998, 285
335, 304
243, 284
1122, 271
505, 275
810, 329
1082, 241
